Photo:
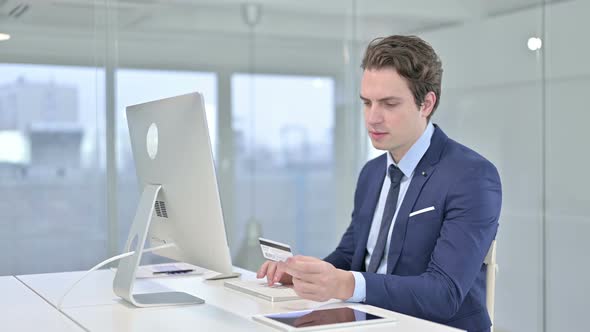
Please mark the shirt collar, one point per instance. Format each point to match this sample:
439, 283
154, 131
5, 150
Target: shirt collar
411, 159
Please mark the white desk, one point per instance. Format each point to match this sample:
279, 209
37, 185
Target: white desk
23, 310
93, 304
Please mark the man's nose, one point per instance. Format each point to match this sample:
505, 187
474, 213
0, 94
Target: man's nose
374, 115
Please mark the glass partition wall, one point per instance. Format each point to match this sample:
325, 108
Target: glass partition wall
281, 80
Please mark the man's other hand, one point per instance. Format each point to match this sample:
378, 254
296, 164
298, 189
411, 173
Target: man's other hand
316, 280
274, 272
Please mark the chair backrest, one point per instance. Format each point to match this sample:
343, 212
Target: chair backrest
492, 268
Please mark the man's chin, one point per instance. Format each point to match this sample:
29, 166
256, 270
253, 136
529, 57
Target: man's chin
380, 146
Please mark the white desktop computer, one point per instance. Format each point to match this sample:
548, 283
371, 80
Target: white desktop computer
179, 203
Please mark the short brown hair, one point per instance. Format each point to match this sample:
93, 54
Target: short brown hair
412, 58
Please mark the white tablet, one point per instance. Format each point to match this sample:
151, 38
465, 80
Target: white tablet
321, 319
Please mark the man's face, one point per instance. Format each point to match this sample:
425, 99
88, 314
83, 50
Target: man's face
392, 118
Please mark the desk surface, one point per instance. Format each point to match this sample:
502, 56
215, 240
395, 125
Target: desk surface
93, 304
23, 310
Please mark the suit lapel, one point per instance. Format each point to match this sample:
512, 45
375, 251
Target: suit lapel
426, 167
367, 211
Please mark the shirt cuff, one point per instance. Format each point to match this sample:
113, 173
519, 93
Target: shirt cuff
360, 288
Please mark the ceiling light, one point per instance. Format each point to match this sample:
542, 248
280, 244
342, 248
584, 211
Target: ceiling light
4, 36
534, 43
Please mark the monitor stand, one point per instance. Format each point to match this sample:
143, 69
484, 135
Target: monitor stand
125, 276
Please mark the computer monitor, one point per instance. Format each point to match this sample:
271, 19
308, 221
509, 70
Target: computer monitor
180, 201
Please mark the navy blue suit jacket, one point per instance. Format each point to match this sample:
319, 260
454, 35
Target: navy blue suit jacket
435, 265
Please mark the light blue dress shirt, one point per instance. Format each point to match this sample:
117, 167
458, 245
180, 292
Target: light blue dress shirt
407, 165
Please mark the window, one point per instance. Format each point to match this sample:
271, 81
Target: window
284, 172
51, 131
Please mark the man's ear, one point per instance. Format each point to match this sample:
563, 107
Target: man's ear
428, 104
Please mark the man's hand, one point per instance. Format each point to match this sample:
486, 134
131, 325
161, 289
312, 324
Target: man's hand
316, 280
274, 272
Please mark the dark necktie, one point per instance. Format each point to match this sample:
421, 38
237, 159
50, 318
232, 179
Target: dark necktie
395, 175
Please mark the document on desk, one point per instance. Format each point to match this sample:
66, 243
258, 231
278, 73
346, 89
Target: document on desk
168, 270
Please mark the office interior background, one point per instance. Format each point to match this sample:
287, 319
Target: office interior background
281, 82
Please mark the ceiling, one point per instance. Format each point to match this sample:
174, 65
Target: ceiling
331, 19
304, 36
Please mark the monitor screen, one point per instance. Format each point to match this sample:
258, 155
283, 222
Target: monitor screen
171, 148
179, 210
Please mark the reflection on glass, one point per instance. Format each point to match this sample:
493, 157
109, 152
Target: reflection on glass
283, 127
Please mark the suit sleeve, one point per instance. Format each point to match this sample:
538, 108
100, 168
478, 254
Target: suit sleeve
341, 257
470, 222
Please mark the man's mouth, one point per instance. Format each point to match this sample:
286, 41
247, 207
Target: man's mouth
377, 134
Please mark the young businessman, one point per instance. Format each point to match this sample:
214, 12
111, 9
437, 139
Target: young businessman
425, 212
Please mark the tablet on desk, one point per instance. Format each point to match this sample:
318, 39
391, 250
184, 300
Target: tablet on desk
321, 319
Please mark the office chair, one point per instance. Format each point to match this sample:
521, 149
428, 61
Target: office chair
492, 269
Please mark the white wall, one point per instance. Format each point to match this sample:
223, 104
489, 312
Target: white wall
493, 100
